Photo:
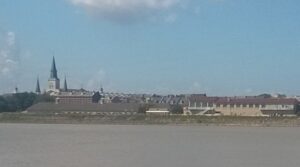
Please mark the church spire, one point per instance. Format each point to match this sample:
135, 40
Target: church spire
65, 85
53, 81
53, 74
38, 89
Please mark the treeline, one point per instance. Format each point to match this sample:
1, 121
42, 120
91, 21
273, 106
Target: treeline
21, 101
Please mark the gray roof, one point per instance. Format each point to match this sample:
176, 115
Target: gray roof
170, 99
52, 107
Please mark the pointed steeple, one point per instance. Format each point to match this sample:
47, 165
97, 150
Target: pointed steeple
53, 73
53, 81
38, 89
65, 85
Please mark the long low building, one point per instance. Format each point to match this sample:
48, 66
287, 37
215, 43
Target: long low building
242, 106
121, 108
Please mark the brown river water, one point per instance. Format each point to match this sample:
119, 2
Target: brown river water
40, 145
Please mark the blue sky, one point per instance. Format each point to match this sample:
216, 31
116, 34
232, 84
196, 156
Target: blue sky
221, 47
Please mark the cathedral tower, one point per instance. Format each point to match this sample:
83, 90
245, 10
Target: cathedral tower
53, 82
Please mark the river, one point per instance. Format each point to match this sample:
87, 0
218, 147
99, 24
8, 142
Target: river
43, 145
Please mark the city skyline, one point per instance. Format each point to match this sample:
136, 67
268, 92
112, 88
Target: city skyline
183, 46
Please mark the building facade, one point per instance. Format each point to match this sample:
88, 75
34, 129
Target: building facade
242, 106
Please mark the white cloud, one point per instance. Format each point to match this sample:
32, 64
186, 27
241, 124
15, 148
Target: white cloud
96, 80
11, 38
5, 70
9, 60
248, 90
128, 10
8, 53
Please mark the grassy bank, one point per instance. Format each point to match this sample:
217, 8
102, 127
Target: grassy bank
142, 119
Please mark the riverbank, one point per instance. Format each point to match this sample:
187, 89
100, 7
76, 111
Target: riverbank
150, 120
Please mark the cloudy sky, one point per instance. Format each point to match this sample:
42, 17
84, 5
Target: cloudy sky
221, 47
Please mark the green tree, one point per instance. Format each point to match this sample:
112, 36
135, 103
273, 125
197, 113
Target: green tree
3, 104
44, 98
21, 101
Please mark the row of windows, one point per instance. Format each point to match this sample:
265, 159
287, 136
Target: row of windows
242, 105
74, 101
234, 105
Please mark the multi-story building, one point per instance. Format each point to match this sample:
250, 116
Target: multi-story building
242, 106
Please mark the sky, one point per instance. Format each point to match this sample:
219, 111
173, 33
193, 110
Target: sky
218, 47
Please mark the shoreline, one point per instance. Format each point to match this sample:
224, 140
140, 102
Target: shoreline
140, 119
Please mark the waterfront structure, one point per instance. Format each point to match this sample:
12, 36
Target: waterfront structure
195, 104
93, 108
242, 106
159, 109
